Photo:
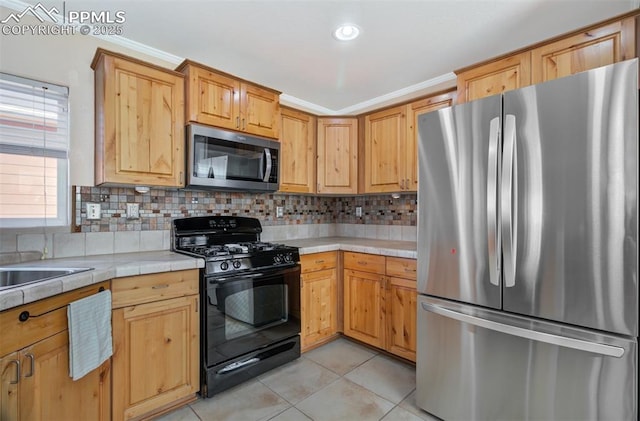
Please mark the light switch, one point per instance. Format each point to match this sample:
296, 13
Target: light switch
93, 210
358, 210
133, 211
279, 211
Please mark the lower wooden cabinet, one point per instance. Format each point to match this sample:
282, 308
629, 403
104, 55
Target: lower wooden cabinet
319, 296
380, 302
34, 368
364, 307
156, 343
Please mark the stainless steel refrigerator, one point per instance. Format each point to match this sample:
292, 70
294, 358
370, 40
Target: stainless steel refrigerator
528, 252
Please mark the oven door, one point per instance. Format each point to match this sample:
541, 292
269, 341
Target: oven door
251, 310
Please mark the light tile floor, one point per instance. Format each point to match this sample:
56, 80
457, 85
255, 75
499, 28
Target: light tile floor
340, 381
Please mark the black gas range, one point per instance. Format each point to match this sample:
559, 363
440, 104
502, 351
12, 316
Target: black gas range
250, 298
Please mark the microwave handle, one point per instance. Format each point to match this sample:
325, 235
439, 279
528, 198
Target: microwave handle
267, 170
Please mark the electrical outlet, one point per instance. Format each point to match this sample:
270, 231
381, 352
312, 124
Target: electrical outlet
358, 210
133, 211
279, 212
93, 211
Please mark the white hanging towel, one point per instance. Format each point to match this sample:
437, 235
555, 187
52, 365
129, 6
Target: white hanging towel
90, 342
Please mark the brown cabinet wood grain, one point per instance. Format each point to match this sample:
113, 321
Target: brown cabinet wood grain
380, 300
139, 111
364, 307
222, 100
319, 298
156, 338
34, 365
297, 152
385, 151
337, 155
493, 78
414, 111
584, 51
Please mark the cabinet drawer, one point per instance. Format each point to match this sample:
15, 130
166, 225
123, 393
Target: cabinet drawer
46, 318
318, 261
364, 262
153, 287
402, 268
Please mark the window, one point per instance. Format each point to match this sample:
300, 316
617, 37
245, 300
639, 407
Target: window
34, 142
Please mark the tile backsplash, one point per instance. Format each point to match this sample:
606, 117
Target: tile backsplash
305, 216
159, 207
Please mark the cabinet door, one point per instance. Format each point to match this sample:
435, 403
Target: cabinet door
364, 318
401, 317
140, 124
48, 393
594, 48
156, 358
212, 98
259, 111
415, 110
297, 152
495, 77
9, 379
319, 306
337, 155
385, 151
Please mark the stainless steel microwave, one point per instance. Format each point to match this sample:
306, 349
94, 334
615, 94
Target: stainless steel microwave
222, 160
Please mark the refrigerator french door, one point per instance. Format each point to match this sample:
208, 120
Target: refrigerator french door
527, 252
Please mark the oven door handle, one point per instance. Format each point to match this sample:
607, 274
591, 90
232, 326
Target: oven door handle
253, 275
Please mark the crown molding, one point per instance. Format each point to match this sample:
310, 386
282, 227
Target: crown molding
423, 88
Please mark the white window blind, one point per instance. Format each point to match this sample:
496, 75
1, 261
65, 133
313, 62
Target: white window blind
34, 142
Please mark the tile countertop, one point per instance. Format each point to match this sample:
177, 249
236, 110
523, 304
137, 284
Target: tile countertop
361, 245
106, 266
109, 266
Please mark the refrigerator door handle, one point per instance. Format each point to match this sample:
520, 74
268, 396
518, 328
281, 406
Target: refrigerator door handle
509, 199
579, 344
493, 234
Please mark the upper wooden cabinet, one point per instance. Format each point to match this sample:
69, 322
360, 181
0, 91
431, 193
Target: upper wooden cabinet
495, 77
337, 155
583, 51
219, 99
415, 110
391, 145
385, 151
601, 44
139, 122
297, 152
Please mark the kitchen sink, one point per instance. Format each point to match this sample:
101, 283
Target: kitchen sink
11, 277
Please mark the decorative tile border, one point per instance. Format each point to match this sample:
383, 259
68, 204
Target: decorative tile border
159, 207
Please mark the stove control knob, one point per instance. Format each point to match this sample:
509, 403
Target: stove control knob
288, 258
277, 259
237, 264
224, 265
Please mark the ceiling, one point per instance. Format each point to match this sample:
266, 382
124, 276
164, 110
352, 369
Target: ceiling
406, 48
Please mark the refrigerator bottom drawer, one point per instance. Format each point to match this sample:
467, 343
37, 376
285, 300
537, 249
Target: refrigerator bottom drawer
478, 364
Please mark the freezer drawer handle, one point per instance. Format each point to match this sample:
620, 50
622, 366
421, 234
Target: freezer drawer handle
608, 350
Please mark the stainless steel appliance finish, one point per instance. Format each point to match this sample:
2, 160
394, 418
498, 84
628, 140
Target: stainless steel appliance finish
223, 160
528, 252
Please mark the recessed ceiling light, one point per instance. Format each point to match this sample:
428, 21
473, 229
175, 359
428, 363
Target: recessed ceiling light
346, 32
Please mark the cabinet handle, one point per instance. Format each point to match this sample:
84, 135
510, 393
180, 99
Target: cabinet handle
402, 184
244, 124
362, 262
31, 361
319, 261
409, 270
160, 286
238, 122
17, 363
181, 177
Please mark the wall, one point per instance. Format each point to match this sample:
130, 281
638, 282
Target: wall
64, 60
